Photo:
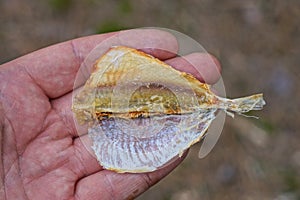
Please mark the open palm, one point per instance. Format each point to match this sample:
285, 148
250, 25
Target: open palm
42, 155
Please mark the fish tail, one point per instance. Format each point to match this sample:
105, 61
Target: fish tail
242, 105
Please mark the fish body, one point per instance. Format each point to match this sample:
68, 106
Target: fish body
142, 113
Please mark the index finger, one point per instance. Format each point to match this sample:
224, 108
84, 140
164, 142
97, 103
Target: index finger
54, 68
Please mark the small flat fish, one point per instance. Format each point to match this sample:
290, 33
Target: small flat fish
142, 113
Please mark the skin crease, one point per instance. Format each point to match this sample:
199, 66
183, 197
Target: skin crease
42, 155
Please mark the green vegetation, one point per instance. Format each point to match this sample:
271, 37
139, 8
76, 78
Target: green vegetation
60, 5
292, 182
268, 126
125, 6
109, 26
290, 178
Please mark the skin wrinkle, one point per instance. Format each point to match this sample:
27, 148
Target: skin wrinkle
18, 160
36, 162
77, 155
53, 119
18, 170
21, 176
43, 128
88, 161
2, 188
75, 191
47, 170
68, 119
75, 195
2, 178
147, 179
63, 118
63, 165
15, 161
11, 105
76, 53
78, 60
32, 78
13, 134
110, 187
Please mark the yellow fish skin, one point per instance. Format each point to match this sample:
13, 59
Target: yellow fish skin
142, 112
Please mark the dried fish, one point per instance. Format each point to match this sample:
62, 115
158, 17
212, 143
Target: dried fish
142, 113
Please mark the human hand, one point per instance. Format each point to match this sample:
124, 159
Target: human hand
41, 154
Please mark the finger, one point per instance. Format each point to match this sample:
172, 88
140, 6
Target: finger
54, 68
83, 161
110, 185
203, 66
157, 43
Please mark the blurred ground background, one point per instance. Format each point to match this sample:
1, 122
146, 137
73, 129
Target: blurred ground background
258, 44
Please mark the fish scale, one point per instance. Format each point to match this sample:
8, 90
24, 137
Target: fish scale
155, 152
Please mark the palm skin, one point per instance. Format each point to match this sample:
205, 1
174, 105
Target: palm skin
42, 155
